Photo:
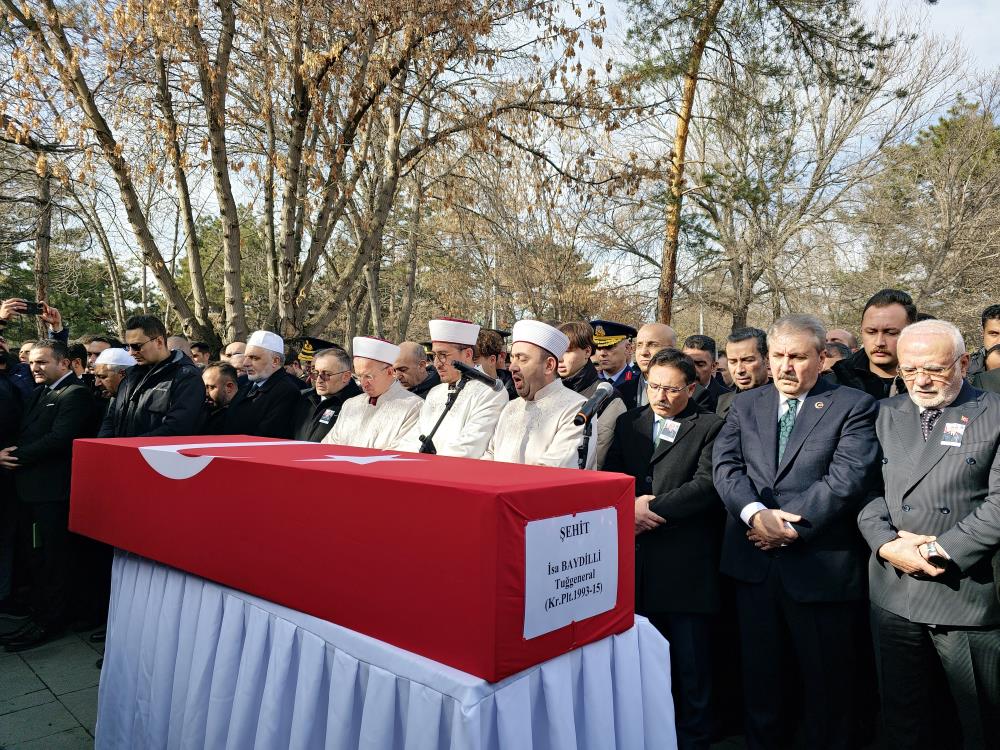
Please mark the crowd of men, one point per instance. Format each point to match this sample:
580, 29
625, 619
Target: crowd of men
817, 516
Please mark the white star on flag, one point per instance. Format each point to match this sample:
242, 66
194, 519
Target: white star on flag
363, 460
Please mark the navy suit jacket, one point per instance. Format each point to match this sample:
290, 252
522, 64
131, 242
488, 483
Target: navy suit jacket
825, 476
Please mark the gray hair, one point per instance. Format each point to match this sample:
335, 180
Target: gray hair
936, 327
797, 323
343, 360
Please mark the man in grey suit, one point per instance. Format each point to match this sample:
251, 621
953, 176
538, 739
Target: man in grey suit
935, 534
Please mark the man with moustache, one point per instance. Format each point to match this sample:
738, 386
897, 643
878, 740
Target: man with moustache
266, 406
538, 428
333, 385
385, 415
872, 368
667, 447
110, 366
935, 537
792, 466
467, 427
579, 374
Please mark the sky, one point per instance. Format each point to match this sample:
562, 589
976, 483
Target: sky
973, 22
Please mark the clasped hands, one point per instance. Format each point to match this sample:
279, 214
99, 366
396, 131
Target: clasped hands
772, 528
908, 554
645, 519
7, 458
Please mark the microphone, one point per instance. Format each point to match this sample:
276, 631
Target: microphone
474, 373
594, 404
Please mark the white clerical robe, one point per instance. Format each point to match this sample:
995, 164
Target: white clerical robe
468, 426
387, 424
541, 431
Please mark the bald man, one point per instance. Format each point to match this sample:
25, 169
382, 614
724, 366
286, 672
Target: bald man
412, 371
651, 338
842, 336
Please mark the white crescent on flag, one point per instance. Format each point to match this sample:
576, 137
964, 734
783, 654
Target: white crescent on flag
168, 461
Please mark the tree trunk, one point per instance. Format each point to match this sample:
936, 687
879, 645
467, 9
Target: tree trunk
270, 246
668, 264
43, 241
214, 80
65, 63
114, 274
412, 246
191, 244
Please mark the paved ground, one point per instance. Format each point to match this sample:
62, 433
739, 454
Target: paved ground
48, 695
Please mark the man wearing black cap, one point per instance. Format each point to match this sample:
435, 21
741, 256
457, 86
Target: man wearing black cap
612, 341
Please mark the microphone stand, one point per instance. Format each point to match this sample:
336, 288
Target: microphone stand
427, 442
584, 448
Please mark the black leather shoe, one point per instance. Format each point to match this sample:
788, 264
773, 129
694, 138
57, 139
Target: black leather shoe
32, 637
15, 635
99, 636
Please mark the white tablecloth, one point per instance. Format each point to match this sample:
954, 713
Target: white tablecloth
191, 664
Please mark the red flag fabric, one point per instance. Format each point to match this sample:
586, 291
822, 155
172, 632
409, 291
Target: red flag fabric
427, 553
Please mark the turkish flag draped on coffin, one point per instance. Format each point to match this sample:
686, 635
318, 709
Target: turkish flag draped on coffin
424, 552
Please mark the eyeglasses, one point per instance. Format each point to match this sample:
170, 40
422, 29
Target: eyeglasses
370, 378
443, 356
137, 347
665, 388
934, 372
323, 375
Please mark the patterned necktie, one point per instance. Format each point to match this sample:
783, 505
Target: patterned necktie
657, 426
927, 419
785, 425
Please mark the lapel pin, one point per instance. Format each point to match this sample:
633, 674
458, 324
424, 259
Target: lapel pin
819, 404
965, 419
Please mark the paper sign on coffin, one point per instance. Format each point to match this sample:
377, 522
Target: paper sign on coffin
427, 553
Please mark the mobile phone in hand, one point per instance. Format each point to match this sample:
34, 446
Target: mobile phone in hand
33, 308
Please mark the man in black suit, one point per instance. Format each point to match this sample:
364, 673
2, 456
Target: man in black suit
935, 535
320, 406
221, 386
746, 358
667, 447
703, 352
793, 465
412, 370
60, 410
267, 405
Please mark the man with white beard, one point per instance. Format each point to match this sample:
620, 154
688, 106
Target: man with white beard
468, 426
265, 406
